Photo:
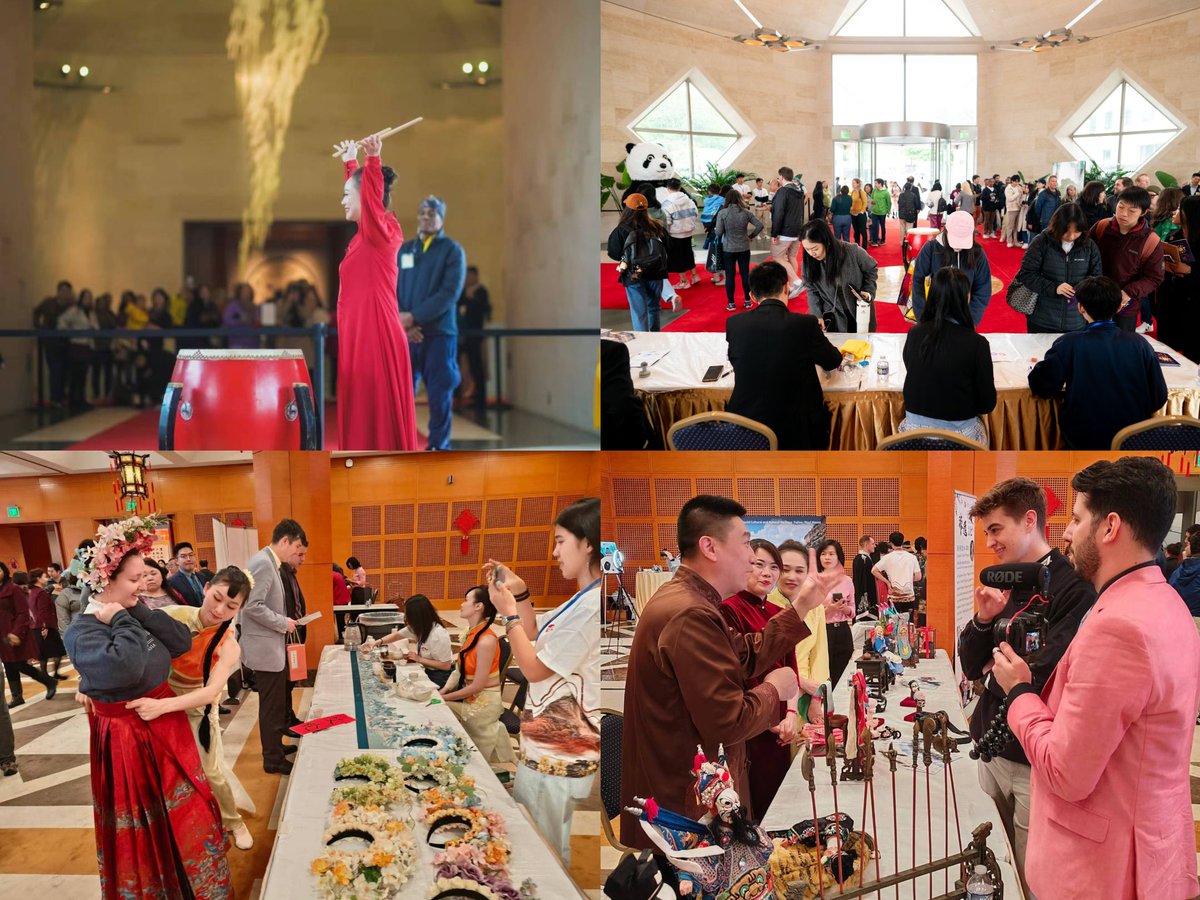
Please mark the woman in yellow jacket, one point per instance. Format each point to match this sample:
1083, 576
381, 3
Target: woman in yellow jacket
860, 201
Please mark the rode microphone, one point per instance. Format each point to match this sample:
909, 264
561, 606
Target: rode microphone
1015, 575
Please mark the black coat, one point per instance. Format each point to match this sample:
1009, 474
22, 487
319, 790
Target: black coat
956, 382
1044, 267
775, 354
623, 421
864, 581
1112, 380
907, 205
182, 586
787, 212
1071, 598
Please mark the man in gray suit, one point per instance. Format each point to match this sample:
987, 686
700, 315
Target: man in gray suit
265, 624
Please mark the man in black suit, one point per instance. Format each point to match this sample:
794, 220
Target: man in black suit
293, 601
775, 353
866, 592
188, 582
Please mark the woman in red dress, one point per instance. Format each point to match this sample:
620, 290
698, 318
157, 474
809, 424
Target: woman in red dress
376, 410
158, 827
748, 612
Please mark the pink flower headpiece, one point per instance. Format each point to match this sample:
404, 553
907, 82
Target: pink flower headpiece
113, 542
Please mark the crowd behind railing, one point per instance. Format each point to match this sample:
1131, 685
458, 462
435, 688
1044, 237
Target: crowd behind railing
86, 371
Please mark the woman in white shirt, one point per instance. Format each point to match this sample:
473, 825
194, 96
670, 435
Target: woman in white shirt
430, 640
560, 655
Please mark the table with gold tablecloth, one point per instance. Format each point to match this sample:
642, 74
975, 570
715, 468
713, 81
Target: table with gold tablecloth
866, 408
648, 581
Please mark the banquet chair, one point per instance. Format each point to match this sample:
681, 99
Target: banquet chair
929, 439
612, 731
1160, 433
720, 431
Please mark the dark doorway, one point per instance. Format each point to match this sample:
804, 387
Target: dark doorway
310, 251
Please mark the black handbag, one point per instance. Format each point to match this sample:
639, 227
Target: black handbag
716, 254
1021, 298
635, 878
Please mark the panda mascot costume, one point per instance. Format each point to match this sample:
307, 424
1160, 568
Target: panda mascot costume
649, 165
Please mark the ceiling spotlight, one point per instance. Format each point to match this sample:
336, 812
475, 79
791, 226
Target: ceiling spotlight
483, 66
43, 5
84, 71
468, 68
749, 40
767, 35
66, 69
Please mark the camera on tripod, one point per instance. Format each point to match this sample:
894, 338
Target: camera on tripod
1029, 582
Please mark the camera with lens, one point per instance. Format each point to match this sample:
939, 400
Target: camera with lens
1030, 585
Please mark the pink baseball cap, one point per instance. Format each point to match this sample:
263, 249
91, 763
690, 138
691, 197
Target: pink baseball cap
960, 230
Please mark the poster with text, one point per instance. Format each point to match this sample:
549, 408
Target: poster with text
964, 566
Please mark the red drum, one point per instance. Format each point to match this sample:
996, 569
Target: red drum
916, 238
239, 400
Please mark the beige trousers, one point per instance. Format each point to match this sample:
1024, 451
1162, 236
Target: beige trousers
1009, 232
785, 253
1007, 783
480, 718
213, 761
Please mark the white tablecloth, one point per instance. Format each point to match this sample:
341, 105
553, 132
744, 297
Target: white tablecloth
305, 808
647, 583
688, 356
792, 803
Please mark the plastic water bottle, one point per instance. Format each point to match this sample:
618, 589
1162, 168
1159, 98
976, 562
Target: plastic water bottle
979, 885
882, 368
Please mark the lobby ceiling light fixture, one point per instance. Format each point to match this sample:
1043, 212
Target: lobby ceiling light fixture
133, 489
771, 38
1051, 40
477, 75
43, 5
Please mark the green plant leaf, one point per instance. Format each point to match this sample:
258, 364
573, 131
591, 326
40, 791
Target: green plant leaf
607, 181
1166, 180
372, 874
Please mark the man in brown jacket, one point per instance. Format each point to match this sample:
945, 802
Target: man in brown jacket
687, 670
1131, 255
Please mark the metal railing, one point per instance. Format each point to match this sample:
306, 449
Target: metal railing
319, 334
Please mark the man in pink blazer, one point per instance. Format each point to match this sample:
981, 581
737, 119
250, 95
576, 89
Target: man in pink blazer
1110, 737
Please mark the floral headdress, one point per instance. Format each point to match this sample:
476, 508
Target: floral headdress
113, 542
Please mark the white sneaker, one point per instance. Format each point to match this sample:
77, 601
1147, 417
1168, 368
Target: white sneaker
242, 838
1144, 328
1023, 246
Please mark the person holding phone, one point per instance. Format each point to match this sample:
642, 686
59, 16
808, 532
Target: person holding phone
839, 608
559, 654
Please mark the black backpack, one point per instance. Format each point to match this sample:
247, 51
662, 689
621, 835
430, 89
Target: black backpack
645, 258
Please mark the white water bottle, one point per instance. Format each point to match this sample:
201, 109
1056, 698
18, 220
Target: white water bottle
979, 885
882, 368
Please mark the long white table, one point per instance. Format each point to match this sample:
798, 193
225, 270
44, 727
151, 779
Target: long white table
305, 809
675, 387
793, 804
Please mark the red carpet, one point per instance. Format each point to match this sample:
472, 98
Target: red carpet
705, 303
141, 432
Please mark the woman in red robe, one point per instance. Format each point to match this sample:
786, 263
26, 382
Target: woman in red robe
748, 612
376, 410
158, 827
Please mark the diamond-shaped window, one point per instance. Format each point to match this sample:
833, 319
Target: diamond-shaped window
695, 123
1125, 128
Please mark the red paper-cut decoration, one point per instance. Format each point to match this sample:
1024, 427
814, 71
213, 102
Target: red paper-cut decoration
1053, 504
465, 522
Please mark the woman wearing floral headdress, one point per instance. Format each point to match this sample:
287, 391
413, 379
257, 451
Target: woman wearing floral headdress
158, 827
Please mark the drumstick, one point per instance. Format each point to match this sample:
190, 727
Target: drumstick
387, 132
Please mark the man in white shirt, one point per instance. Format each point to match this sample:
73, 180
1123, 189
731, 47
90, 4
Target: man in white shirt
741, 187
1012, 211
899, 569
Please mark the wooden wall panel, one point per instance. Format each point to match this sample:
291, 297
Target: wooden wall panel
77, 502
514, 495
642, 493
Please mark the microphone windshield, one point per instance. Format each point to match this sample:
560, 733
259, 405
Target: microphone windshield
1014, 575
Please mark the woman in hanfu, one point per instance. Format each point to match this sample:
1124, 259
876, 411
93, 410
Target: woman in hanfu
158, 828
